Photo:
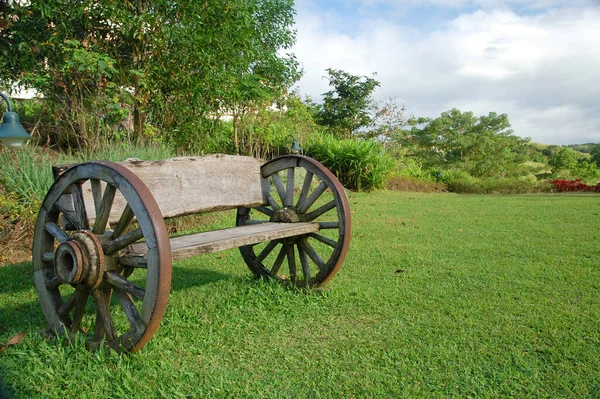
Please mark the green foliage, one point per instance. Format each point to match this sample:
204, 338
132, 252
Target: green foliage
595, 155
406, 166
481, 146
460, 182
586, 148
166, 63
567, 163
266, 133
346, 108
358, 164
562, 158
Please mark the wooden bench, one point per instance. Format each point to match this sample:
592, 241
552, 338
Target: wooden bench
101, 234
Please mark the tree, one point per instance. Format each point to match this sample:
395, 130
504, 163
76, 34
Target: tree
563, 159
174, 62
389, 121
481, 146
346, 108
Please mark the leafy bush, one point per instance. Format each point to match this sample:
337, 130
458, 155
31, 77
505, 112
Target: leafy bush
406, 166
497, 186
459, 181
576, 185
358, 164
266, 133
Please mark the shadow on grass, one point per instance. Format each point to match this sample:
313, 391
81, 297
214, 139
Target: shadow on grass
3, 391
16, 278
184, 277
21, 311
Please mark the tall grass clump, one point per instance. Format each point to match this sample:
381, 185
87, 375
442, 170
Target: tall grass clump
358, 164
26, 174
117, 153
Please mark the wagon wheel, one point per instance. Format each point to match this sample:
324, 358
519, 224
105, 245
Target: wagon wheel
88, 284
300, 190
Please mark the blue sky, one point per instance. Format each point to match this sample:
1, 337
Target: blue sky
537, 61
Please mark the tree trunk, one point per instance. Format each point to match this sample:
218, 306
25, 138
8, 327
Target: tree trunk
139, 119
236, 142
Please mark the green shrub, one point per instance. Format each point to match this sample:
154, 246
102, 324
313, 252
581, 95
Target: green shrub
266, 133
406, 166
358, 164
461, 182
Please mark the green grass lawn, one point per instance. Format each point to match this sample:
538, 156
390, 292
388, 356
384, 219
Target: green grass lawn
441, 295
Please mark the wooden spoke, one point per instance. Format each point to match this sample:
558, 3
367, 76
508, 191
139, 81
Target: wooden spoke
272, 202
68, 305
140, 262
56, 232
328, 225
266, 251
323, 239
279, 187
54, 283
48, 257
266, 211
321, 210
131, 311
104, 322
254, 221
99, 333
116, 280
79, 310
123, 241
304, 263
278, 261
79, 207
124, 221
305, 188
310, 251
305, 206
96, 194
291, 262
103, 209
69, 215
289, 192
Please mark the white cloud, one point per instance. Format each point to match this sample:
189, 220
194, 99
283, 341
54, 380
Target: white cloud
542, 69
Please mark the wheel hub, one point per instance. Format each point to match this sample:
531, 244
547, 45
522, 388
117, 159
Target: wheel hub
285, 215
80, 261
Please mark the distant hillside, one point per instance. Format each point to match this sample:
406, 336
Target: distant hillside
585, 148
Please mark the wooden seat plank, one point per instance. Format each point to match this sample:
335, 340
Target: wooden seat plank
218, 240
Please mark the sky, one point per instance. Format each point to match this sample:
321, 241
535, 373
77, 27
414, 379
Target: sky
538, 61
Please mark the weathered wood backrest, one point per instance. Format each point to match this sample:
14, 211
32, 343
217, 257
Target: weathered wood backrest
183, 186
